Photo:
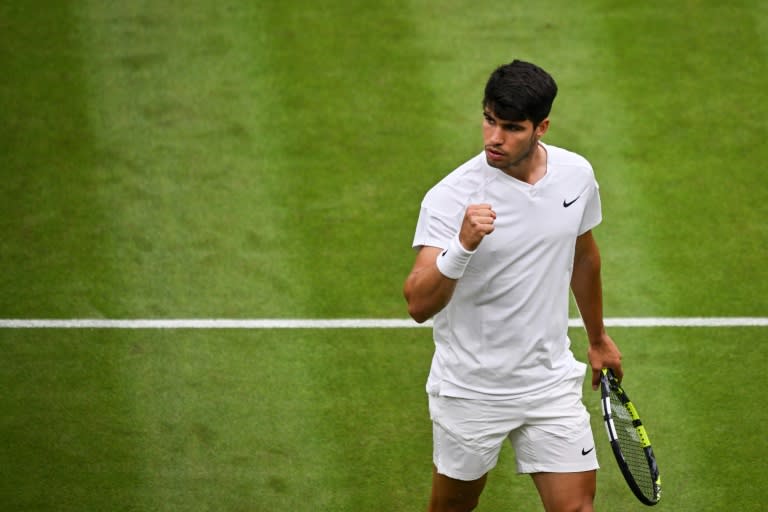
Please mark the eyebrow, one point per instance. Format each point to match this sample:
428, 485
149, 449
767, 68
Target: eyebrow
502, 122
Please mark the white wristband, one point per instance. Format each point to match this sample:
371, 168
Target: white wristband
454, 259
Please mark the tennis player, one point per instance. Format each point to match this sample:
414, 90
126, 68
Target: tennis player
499, 242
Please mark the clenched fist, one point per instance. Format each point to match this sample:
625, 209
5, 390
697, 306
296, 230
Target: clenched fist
478, 222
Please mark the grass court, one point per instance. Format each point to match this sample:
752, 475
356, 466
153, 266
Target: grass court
250, 160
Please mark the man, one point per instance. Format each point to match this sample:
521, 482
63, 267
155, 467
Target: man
499, 241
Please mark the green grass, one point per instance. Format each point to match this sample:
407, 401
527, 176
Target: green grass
267, 159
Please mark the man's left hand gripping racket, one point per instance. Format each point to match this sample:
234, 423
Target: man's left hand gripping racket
629, 441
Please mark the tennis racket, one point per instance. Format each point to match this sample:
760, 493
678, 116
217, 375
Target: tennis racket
629, 441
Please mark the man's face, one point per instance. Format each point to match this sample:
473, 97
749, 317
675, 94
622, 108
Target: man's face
509, 143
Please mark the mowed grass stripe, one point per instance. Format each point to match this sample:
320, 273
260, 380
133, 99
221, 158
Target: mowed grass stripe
174, 107
340, 125
52, 245
347, 122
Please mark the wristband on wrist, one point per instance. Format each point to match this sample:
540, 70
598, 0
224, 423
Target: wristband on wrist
454, 259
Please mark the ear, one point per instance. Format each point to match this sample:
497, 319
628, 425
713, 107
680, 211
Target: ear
542, 128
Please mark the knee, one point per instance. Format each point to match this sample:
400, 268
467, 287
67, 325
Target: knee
457, 504
575, 505
584, 505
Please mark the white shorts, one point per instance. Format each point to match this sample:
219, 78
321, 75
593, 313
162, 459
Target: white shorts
549, 433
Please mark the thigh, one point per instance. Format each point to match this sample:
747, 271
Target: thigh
468, 435
566, 491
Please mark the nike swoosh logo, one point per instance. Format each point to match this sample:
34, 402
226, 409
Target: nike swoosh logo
566, 204
585, 452
444, 252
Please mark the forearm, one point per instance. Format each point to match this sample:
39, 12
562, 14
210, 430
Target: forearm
588, 291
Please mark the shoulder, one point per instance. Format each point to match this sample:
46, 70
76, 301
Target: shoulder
565, 158
454, 191
568, 166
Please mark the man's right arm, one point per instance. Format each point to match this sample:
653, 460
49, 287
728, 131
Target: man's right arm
429, 288
426, 289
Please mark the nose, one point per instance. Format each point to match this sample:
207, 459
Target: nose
496, 136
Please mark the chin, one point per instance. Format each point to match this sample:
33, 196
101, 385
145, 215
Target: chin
495, 163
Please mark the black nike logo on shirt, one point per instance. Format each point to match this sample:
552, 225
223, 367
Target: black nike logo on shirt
583, 451
566, 204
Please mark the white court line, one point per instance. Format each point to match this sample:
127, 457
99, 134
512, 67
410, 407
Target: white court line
349, 323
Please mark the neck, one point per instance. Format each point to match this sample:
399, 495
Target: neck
531, 167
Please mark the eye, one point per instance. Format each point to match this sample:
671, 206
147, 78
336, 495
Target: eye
513, 127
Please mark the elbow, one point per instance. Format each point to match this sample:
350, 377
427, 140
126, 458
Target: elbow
416, 310
418, 314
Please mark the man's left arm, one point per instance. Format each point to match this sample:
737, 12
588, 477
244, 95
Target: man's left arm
588, 292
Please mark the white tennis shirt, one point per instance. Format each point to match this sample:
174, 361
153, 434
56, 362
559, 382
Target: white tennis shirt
504, 332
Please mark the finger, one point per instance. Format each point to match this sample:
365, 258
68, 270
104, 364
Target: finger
595, 379
481, 219
482, 222
483, 226
481, 209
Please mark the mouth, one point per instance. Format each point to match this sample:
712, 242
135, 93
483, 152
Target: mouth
494, 154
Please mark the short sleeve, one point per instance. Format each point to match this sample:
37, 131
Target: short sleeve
593, 214
433, 229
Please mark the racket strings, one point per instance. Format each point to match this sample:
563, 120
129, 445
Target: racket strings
631, 446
